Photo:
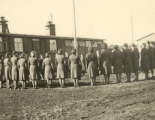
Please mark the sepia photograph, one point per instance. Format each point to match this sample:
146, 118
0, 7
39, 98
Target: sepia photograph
77, 59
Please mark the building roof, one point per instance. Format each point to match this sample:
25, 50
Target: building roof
145, 36
46, 36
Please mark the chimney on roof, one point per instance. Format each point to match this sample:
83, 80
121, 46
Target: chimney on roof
50, 28
3, 25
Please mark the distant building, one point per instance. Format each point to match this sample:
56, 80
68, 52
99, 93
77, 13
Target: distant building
43, 43
150, 37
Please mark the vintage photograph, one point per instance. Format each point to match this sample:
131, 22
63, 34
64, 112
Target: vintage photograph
77, 59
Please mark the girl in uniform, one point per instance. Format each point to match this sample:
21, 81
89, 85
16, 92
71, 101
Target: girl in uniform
22, 65
75, 70
91, 61
14, 71
105, 59
7, 69
33, 62
60, 67
48, 71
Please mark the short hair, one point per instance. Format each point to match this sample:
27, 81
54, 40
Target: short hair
144, 44
133, 45
7, 55
14, 52
104, 46
148, 42
22, 55
73, 51
125, 45
90, 49
60, 50
47, 54
115, 47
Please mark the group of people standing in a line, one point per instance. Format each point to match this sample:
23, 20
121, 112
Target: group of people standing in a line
117, 61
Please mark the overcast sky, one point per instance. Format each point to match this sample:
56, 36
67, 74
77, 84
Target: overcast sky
105, 19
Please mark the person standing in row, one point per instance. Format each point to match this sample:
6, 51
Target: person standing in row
145, 61
151, 57
117, 63
1, 70
22, 66
135, 60
91, 60
33, 62
128, 67
75, 70
98, 63
14, 71
48, 71
105, 60
82, 65
60, 67
66, 63
41, 70
7, 69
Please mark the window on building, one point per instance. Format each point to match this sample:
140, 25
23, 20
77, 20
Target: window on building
82, 43
18, 44
53, 46
0, 28
35, 39
1, 45
68, 43
88, 44
94, 44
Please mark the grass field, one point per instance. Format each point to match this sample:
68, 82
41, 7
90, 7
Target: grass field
129, 101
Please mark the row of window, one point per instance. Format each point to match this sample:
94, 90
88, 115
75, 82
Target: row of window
18, 42
82, 43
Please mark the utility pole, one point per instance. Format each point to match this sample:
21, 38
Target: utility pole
75, 39
132, 29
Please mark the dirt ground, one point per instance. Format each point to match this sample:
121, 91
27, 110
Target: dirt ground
129, 101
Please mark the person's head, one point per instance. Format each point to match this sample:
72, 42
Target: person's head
60, 51
32, 54
144, 45
73, 51
152, 43
116, 47
90, 49
41, 56
133, 46
66, 54
104, 46
125, 45
14, 53
81, 55
7, 55
22, 55
47, 55
148, 42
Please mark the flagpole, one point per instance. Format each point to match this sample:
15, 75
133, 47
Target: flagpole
132, 29
75, 39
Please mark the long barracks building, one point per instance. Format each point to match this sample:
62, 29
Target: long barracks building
41, 44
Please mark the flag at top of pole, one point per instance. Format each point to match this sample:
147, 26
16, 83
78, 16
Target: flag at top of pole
75, 39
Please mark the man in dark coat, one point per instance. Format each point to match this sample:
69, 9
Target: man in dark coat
128, 67
150, 49
145, 60
117, 63
135, 60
